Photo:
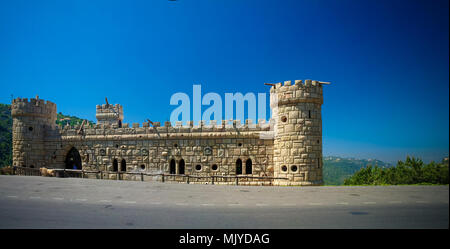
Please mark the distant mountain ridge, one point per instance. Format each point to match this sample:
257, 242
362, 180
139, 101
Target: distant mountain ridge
337, 169
358, 161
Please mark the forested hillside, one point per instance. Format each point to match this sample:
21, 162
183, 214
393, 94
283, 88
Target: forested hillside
62, 119
411, 171
5, 135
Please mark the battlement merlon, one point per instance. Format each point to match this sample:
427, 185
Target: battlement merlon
34, 107
310, 91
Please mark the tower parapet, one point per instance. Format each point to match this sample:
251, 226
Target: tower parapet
308, 92
35, 108
109, 114
296, 111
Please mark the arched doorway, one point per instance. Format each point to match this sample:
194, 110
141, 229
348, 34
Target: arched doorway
73, 159
115, 165
238, 166
123, 165
181, 167
172, 167
248, 166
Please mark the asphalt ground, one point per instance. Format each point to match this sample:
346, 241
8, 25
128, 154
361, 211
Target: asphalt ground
47, 202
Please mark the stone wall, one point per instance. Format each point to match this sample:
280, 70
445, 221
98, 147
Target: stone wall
150, 149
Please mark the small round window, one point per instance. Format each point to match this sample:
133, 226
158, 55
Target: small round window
294, 168
30, 128
239, 144
142, 166
198, 167
214, 167
284, 119
284, 168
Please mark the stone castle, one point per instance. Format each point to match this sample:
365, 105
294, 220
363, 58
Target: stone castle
288, 148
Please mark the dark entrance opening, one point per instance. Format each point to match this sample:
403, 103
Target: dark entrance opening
115, 165
239, 167
123, 165
248, 166
120, 123
181, 167
73, 159
172, 166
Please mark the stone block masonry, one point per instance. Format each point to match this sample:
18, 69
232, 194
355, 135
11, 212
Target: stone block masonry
288, 146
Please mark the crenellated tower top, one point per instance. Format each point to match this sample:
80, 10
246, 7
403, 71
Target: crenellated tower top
34, 108
310, 91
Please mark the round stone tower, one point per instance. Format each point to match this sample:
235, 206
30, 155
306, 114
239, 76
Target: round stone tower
32, 120
296, 111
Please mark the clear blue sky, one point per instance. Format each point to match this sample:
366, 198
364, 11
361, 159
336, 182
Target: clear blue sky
387, 61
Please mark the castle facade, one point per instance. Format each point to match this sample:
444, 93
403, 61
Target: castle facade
288, 147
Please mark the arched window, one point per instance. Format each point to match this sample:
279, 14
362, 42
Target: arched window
115, 165
248, 166
172, 167
181, 167
238, 166
123, 165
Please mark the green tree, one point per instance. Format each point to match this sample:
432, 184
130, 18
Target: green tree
411, 171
